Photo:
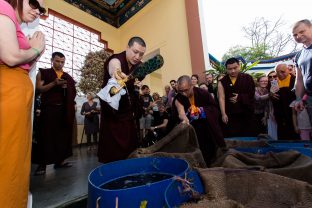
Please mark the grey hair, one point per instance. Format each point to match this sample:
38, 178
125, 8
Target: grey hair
304, 21
184, 78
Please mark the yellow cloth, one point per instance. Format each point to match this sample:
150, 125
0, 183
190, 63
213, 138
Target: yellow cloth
16, 96
192, 100
233, 80
58, 73
285, 82
193, 109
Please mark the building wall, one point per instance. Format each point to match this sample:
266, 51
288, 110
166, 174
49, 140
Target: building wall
163, 26
108, 32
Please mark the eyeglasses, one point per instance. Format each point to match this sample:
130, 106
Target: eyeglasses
274, 76
34, 4
184, 90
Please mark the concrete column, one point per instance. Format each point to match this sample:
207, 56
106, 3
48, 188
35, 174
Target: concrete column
197, 38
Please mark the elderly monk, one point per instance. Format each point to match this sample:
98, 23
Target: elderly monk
281, 100
195, 106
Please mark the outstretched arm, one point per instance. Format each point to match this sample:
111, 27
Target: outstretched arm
181, 112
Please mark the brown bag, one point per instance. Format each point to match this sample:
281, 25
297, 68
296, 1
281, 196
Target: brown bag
181, 142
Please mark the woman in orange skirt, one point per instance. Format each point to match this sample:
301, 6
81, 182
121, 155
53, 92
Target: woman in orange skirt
17, 54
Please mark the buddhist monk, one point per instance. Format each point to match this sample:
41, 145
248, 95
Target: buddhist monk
196, 106
119, 129
281, 101
236, 92
56, 120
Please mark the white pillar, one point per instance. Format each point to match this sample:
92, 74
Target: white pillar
203, 33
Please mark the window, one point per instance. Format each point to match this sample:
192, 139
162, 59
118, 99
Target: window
73, 41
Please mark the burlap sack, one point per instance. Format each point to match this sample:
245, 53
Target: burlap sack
231, 188
181, 142
238, 143
291, 164
261, 141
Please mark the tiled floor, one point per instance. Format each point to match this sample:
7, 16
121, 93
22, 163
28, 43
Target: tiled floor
63, 185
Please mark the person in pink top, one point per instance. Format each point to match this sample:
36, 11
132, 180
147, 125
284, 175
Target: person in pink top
17, 55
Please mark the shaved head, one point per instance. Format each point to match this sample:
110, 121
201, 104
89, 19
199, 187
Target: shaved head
185, 87
184, 78
282, 71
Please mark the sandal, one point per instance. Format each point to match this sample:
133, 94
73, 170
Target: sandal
41, 170
63, 165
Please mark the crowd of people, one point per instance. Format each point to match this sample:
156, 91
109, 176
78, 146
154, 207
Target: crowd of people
248, 106
233, 106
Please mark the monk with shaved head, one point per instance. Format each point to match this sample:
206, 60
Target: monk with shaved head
281, 101
195, 106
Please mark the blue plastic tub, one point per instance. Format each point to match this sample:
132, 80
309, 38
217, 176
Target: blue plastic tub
263, 150
242, 138
174, 196
260, 150
149, 196
291, 144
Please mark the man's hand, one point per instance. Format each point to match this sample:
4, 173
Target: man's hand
234, 99
58, 81
299, 106
138, 83
225, 118
118, 74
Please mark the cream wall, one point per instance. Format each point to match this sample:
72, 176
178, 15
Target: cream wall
163, 25
108, 32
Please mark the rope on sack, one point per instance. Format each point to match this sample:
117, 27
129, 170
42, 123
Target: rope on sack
116, 202
187, 187
97, 202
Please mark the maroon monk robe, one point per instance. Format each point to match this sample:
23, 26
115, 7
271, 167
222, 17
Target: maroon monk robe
119, 128
56, 120
241, 120
208, 130
283, 113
